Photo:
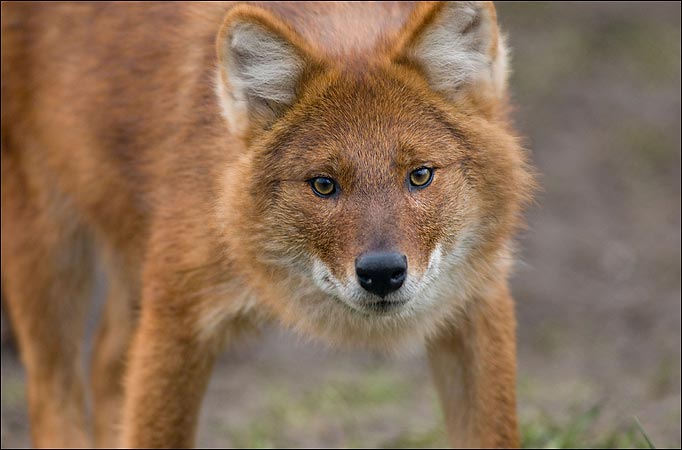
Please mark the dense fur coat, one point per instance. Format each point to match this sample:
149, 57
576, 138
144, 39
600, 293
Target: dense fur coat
175, 145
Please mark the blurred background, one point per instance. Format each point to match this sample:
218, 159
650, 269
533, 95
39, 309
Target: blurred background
597, 93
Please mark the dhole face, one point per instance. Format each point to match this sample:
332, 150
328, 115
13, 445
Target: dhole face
368, 131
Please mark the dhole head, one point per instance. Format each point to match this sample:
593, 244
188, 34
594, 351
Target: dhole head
386, 183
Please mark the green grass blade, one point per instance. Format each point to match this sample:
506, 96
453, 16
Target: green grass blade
641, 430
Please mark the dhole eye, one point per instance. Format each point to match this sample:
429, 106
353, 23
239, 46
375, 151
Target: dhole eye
421, 177
323, 186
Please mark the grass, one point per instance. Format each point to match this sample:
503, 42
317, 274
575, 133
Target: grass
375, 411
644, 434
341, 412
378, 410
582, 431
13, 392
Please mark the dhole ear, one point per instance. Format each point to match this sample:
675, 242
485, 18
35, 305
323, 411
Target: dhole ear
261, 64
458, 48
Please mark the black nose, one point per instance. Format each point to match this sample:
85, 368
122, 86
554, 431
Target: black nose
381, 273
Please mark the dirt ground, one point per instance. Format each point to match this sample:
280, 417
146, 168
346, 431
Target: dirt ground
597, 90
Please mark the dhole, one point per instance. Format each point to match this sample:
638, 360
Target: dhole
348, 171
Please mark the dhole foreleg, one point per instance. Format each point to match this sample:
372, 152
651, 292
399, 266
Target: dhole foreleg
169, 369
45, 273
109, 355
474, 368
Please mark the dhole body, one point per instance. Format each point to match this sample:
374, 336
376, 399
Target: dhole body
179, 147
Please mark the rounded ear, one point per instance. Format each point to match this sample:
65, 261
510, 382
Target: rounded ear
262, 63
458, 48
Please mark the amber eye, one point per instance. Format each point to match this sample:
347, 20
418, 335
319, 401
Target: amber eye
323, 186
421, 177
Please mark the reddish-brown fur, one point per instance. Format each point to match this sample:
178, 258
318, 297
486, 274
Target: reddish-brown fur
114, 149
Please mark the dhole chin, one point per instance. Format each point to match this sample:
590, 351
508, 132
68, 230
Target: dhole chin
346, 170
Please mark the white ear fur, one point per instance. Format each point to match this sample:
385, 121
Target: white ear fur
462, 48
259, 74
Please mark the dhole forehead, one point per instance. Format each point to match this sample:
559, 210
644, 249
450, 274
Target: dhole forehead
367, 120
344, 28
